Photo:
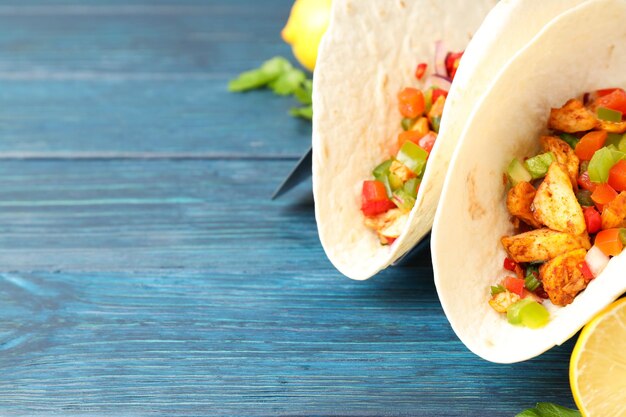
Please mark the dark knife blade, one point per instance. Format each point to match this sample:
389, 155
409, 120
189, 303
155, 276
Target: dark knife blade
299, 173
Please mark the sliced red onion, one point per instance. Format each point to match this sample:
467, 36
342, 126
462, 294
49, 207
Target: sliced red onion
596, 260
438, 81
440, 59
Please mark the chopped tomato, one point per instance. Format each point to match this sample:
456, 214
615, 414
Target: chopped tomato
421, 70
593, 220
453, 59
412, 135
509, 264
584, 268
609, 242
427, 142
374, 198
411, 102
515, 285
439, 92
589, 144
390, 240
605, 91
617, 176
615, 100
585, 183
603, 194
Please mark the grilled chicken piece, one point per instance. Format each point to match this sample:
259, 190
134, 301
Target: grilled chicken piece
556, 205
388, 225
542, 244
614, 213
565, 156
562, 278
519, 200
612, 127
501, 301
572, 117
401, 171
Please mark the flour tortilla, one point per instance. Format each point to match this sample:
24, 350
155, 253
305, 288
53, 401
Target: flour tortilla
367, 56
582, 50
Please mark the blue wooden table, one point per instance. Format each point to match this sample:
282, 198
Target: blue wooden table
144, 270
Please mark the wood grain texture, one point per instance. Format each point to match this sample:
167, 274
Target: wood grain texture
141, 78
143, 269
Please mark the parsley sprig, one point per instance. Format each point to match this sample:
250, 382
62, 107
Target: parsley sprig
279, 75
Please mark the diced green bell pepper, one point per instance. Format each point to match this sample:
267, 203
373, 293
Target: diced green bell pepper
436, 122
584, 198
403, 200
602, 161
381, 173
529, 313
609, 115
538, 165
407, 123
413, 157
516, 172
571, 140
428, 99
613, 139
411, 186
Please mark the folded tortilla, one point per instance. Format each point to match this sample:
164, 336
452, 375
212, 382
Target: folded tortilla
367, 56
582, 50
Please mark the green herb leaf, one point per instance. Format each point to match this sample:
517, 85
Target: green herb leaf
497, 289
260, 77
288, 82
549, 410
304, 92
305, 112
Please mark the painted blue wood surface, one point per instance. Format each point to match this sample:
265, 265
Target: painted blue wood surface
143, 269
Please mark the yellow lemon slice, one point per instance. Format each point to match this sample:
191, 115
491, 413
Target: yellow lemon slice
597, 369
307, 24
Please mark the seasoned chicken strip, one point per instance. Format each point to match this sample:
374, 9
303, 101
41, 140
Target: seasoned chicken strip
565, 156
562, 278
542, 244
614, 213
519, 200
388, 225
556, 205
572, 117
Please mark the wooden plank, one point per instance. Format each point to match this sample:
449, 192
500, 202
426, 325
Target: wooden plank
136, 78
134, 118
177, 287
233, 341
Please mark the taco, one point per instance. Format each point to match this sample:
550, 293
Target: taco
523, 261
368, 56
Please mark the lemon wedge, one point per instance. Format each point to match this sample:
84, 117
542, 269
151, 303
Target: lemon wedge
305, 27
598, 365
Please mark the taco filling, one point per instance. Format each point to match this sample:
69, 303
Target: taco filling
568, 208
387, 199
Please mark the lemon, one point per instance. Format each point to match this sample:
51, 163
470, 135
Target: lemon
598, 366
305, 27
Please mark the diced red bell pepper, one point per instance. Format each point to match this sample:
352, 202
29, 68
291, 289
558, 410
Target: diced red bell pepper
585, 183
615, 100
593, 220
374, 198
421, 70
509, 264
590, 143
584, 268
617, 176
515, 285
427, 142
453, 59
411, 102
437, 93
603, 194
